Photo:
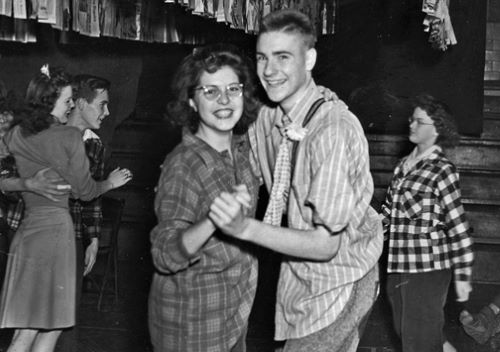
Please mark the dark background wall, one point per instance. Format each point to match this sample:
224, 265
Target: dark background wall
380, 56
119, 62
377, 59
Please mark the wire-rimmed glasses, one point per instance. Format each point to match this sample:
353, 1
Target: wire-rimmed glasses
213, 92
412, 119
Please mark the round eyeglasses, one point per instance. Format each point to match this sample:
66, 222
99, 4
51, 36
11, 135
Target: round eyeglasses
411, 119
213, 92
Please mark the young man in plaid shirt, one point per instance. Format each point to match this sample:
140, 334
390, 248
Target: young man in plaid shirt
91, 97
428, 234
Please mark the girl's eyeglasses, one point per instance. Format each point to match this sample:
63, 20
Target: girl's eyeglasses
411, 119
213, 92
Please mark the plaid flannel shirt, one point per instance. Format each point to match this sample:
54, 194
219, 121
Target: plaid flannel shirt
426, 223
12, 203
200, 303
87, 216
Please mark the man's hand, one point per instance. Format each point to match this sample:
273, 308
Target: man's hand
227, 211
50, 187
91, 255
118, 177
463, 289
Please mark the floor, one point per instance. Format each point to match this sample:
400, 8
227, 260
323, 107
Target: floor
122, 325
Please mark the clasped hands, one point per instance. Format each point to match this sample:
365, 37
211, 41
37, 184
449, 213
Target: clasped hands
228, 211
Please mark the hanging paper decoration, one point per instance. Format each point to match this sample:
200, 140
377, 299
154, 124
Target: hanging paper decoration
47, 11
253, 16
20, 10
17, 30
63, 16
198, 7
237, 20
32, 7
107, 18
219, 12
267, 7
155, 21
438, 22
95, 31
228, 8
83, 14
6, 7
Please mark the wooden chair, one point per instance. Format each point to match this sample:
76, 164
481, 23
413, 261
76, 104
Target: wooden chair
112, 210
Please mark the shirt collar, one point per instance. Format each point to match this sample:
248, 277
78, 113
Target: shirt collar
298, 113
205, 151
89, 134
431, 150
412, 160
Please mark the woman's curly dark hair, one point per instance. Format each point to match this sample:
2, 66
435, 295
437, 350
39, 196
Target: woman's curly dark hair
41, 96
212, 58
440, 113
8, 99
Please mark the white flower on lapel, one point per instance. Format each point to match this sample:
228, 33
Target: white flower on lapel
295, 132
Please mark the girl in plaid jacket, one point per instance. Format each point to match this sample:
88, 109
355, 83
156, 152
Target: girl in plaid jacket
428, 235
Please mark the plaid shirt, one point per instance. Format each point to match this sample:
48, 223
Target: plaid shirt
87, 216
199, 303
12, 209
425, 219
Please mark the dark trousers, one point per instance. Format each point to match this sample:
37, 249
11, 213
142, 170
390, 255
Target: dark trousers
417, 302
68, 341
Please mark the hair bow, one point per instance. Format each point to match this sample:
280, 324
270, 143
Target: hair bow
45, 70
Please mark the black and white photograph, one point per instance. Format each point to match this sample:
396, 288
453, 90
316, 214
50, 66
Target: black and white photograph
249, 175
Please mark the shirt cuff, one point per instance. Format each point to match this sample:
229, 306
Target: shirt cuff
463, 274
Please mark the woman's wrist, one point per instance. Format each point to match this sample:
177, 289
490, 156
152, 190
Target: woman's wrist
14, 184
25, 183
110, 185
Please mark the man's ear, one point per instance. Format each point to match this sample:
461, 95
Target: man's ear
80, 103
311, 55
192, 104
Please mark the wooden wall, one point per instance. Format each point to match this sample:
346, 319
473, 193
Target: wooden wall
492, 55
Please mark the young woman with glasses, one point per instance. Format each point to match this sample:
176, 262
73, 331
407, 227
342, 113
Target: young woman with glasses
205, 282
